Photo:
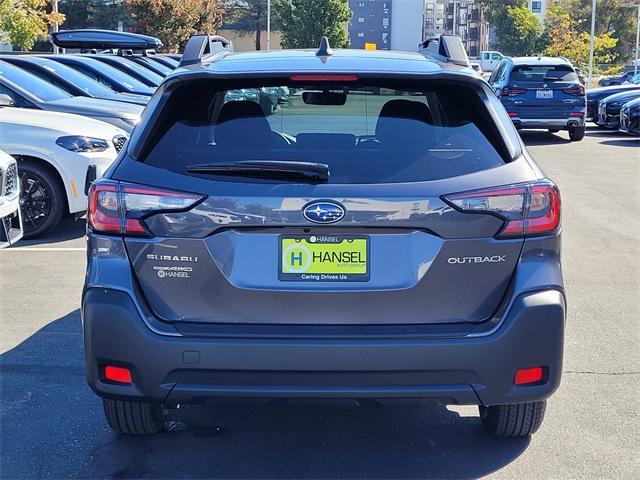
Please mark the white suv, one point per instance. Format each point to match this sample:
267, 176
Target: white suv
55, 151
10, 220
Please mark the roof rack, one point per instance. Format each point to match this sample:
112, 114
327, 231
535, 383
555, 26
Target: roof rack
91, 39
446, 48
202, 47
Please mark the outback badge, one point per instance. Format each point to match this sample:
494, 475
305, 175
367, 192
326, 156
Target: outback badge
323, 212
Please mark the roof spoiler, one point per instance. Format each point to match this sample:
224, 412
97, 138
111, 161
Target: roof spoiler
91, 39
203, 46
446, 48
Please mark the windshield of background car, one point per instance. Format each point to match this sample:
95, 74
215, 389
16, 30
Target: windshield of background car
113, 73
364, 133
36, 86
543, 73
80, 80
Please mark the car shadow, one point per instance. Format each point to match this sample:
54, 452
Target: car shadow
53, 427
533, 137
69, 228
623, 142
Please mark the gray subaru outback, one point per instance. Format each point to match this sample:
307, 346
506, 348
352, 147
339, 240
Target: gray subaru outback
382, 237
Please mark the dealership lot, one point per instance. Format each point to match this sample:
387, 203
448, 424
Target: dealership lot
52, 427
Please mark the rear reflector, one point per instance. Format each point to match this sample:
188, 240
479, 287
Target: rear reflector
528, 375
117, 374
577, 114
527, 208
116, 207
512, 114
324, 78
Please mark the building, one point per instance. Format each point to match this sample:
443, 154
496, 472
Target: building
458, 17
370, 24
386, 24
407, 25
539, 8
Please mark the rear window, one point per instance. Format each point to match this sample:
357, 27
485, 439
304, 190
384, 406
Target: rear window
543, 73
365, 133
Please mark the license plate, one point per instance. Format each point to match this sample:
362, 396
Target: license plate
544, 93
323, 258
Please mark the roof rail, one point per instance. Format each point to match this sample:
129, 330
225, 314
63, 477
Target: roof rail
446, 48
201, 46
88, 39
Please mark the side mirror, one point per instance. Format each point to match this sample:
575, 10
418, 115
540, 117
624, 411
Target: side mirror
6, 100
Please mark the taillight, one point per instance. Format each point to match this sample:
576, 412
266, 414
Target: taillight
116, 207
577, 90
527, 209
509, 91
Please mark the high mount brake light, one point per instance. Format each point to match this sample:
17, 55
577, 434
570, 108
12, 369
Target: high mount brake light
116, 207
528, 208
324, 78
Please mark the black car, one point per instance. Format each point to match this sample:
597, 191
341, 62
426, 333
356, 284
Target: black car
71, 80
609, 108
617, 80
134, 69
630, 117
112, 77
594, 96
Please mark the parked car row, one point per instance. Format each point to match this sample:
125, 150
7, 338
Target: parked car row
64, 120
66, 117
617, 106
547, 93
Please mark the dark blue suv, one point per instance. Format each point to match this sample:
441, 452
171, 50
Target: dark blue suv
384, 236
541, 93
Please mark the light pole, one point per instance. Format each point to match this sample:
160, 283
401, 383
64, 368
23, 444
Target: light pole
593, 35
268, 24
635, 62
54, 8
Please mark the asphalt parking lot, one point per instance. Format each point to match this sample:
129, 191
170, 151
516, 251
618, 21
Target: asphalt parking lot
52, 425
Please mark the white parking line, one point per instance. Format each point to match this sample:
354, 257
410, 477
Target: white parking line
45, 249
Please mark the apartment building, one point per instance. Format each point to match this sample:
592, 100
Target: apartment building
386, 24
458, 17
370, 24
539, 8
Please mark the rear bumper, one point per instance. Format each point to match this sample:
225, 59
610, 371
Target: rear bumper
470, 370
561, 123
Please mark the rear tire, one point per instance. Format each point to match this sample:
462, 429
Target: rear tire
577, 133
42, 198
133, 418
517, 420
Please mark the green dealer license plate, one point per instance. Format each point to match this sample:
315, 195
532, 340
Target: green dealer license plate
324, 258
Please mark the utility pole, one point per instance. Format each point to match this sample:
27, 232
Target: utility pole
268, 24
54, 8
593, 35
635, 62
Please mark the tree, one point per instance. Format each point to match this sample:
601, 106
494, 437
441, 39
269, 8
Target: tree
22, 22
304, 22
611, 17
248, 16
519, 31
175, 21
562, 38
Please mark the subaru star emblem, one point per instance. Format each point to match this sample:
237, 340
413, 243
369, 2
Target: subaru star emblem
323, 212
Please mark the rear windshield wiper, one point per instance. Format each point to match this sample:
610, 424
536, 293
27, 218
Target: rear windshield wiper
309, 171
